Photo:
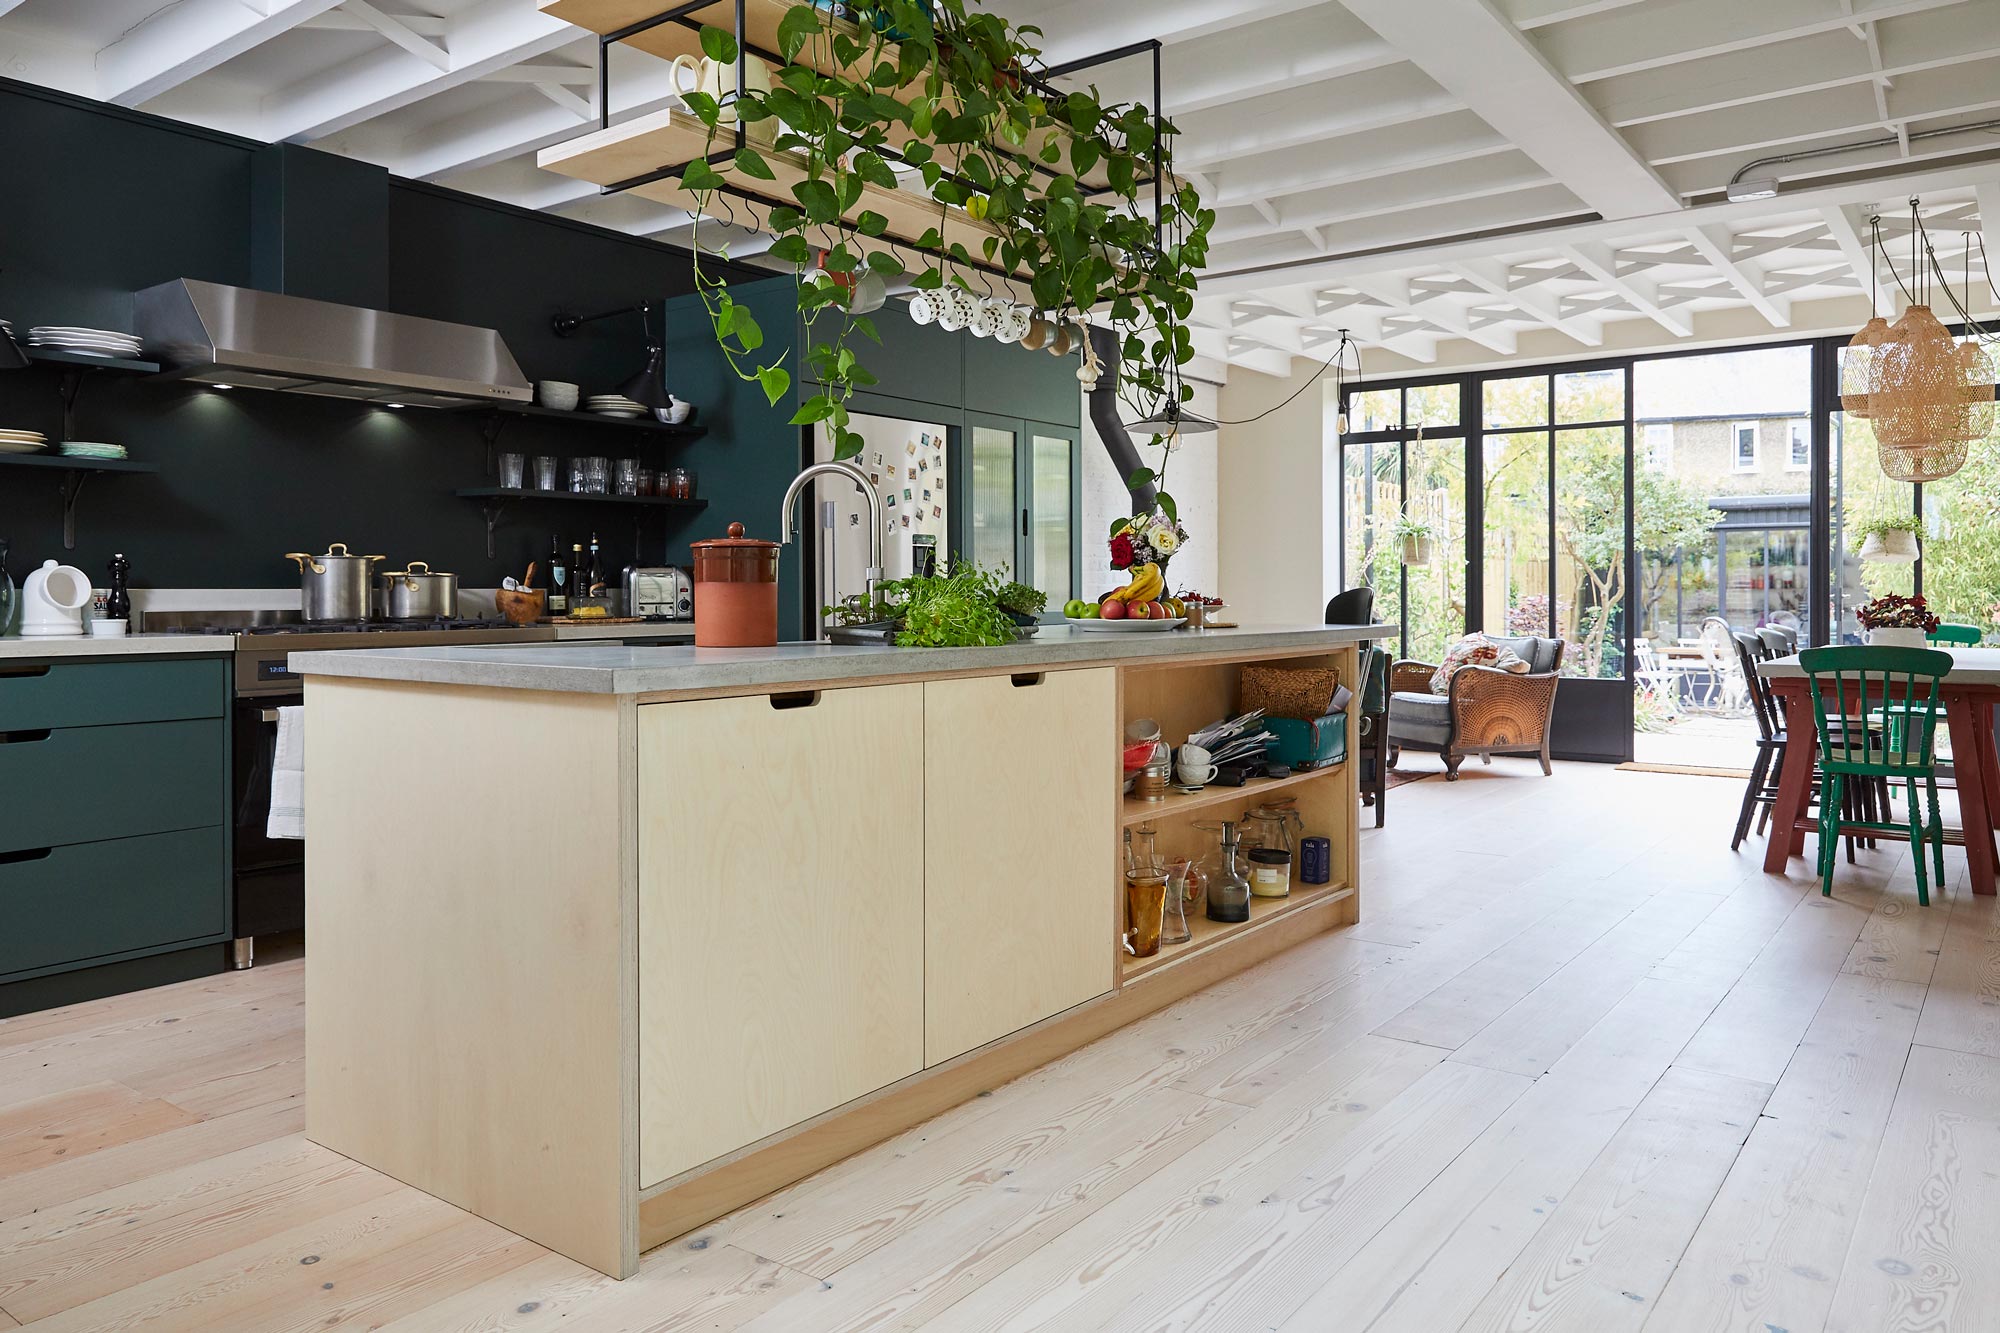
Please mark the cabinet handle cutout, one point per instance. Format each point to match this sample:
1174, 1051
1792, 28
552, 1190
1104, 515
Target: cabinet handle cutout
31, 854
24, 671
24, 737
1026, 678
797, 699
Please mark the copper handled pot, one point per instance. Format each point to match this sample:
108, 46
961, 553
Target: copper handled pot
417, 593
333, 586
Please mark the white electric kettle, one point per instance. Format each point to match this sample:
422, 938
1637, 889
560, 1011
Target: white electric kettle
52, 602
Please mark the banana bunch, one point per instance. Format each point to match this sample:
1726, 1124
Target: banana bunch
1147, 583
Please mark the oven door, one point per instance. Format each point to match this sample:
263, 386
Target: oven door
270, 878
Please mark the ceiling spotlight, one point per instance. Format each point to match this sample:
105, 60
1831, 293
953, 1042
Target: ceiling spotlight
222, 386
1756, 187
392, 405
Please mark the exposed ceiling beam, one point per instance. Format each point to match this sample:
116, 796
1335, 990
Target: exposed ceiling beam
336, 21
399, 32
1716, 246
1074, 31
487, 36
1601, 264
1471, 49
1654, 35
184, 40
1844, 223
9, 6
531, 72
1395, 293
1988, 196
1538, 306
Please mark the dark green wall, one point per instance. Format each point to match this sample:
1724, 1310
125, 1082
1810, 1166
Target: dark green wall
102, 202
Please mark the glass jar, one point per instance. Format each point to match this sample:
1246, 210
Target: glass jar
1270, 872
1174, 923
1228, 890
1275, 826
1145, 895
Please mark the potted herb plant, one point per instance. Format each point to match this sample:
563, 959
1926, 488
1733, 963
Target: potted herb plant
1890, 540
1895, 621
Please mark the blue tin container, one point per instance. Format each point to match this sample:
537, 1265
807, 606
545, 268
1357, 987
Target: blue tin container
1316, 861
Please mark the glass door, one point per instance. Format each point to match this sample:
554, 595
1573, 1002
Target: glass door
1023, 495
1403, 516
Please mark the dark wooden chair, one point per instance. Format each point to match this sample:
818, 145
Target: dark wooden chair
1861, 800
1373, 747
1355, 606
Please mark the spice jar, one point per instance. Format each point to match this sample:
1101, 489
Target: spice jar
1270, 872
735, 592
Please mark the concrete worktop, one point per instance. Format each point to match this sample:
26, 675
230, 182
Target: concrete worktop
626, 669
132, 645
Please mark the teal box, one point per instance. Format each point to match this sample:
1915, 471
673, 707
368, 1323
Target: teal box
1304, 745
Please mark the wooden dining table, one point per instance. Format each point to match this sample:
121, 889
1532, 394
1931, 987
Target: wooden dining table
1969, 692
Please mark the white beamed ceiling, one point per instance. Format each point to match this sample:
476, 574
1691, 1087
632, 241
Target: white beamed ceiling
1457, 181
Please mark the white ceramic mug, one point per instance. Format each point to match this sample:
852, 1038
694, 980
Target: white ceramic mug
1197, 775
954, 309
719, 82
1014, 324
990, 317
1192, 755
922, 311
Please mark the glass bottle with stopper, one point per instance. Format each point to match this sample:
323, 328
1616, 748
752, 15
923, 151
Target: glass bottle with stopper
1228, 889
1145, 894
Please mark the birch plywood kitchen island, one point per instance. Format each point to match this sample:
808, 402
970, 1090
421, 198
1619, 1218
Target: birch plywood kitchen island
609, 941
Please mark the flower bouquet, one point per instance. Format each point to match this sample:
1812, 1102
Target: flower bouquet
1146, 539
1899, 621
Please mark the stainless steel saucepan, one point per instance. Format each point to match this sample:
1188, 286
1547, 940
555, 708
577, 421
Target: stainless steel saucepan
417, 593
333, 586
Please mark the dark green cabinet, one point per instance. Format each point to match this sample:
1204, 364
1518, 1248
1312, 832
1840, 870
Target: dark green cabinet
114, 823
1022, 496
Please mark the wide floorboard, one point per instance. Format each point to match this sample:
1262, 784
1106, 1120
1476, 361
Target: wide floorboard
1579, 1067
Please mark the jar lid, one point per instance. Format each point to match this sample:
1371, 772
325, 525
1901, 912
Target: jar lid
1270, 856
735, 540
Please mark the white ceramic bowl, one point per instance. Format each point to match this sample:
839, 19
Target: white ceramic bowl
557, 394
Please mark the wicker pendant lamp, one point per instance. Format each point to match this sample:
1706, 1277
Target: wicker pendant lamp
1927, 397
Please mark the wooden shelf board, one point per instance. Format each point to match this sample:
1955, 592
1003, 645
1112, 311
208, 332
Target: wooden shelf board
1135, 811
760, 25
1208, 934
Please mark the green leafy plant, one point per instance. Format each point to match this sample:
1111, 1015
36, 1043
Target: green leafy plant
1022, 600
1882, 527
961, 606
1045, 184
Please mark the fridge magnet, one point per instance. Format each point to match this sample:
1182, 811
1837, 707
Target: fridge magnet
874, 479
937, 511
927, 495
911, 447
906, 520
906, 493
923, 465
878, 458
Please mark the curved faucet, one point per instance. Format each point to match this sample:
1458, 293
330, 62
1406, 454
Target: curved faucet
787, 512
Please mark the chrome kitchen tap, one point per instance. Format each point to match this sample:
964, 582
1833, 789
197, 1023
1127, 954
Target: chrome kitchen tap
787, 513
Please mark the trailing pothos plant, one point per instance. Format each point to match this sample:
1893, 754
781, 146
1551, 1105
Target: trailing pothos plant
946, 98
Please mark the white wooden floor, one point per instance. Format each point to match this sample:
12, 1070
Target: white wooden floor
1580, 1067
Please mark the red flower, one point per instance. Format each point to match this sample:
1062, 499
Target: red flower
1121, 552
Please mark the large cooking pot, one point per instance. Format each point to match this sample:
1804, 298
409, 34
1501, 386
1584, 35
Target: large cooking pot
333, 586
417, 593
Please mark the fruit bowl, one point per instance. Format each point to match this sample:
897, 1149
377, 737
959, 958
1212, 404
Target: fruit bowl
1100, 626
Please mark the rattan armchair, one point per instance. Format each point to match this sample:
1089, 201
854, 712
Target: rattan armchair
1485, 712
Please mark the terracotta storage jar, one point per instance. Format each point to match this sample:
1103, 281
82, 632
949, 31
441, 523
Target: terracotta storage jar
735, 592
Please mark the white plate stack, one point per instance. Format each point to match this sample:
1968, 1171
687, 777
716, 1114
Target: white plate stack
14, 441
613, 405
91, 449
87, 342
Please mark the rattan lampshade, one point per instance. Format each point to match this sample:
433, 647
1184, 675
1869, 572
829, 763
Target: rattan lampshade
1857, 364
1927, 397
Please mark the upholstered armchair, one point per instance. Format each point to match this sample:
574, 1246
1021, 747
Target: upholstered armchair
1486, 711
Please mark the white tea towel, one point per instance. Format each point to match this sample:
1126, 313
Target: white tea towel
288, 776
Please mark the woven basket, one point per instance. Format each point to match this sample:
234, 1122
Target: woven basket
1304, 693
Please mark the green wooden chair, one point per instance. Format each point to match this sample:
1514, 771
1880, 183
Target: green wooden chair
1903, 747
1957, 636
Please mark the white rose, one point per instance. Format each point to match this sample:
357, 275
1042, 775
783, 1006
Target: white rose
1162, 539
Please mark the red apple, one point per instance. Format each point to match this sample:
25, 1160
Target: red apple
1157, 609
1113, 609
1140, 610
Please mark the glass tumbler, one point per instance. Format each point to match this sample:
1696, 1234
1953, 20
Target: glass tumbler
627, 476
649, 481
510, 470
596, 475
576, 478
545, 472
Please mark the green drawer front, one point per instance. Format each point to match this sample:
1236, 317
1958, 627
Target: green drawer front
97, 693
102, 898
83, 784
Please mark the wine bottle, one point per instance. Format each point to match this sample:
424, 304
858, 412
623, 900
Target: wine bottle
558, 579
596, 581
579, 576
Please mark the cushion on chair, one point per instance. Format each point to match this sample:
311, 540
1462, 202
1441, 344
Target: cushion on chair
1538, 653
1424, 719
1476, 649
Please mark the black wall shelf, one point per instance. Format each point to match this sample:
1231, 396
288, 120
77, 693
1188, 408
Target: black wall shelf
71, 473
496, 498
114, 364
497, 414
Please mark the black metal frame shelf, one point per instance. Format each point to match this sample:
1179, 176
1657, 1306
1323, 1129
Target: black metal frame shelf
495, 499
499, 412
72, 473
115, 364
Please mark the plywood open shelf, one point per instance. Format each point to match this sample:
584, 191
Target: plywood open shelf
1135, 811
1206, 934
760, 32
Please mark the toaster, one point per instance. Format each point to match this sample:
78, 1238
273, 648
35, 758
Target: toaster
659, 592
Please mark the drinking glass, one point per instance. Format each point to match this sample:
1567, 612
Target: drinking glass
649, 481
545, 472
596, 475
681, 484
628, 476
576, 476
510, 470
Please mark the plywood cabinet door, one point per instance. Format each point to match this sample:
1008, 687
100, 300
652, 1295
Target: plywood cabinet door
1020, 810
780, 913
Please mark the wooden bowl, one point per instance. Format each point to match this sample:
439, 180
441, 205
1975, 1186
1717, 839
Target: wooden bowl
521, 608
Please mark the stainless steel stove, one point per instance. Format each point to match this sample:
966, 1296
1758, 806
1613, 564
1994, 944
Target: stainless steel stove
269, 873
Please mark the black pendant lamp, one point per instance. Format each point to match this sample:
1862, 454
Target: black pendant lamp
648, 388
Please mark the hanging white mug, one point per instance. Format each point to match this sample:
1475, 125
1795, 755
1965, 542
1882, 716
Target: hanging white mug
954, 309
1014, 323
921, 309
986, 316
718, 80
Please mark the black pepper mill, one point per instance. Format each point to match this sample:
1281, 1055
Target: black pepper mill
118, 605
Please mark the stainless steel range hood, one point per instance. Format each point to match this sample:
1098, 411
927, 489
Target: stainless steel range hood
264, 340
